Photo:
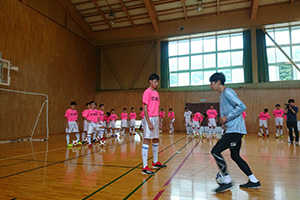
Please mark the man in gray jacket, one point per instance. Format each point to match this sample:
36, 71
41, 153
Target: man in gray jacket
231, 108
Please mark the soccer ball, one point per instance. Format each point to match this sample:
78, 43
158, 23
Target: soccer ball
170, 131
214, 136
102, 143
75, 142
219, 178
204, 135
276, 135
259, 134
85, 141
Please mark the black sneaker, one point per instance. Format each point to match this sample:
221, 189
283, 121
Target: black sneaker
251, 185
158, 165
94, 141
224, 187
84, 142
290, 142
146, 170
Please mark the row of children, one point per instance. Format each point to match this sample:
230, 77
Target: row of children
96, 122
195, 119
264, 121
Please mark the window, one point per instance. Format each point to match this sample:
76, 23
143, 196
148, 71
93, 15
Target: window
280, 68
193, 61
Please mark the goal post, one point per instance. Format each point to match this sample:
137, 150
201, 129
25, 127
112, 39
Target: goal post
23, 116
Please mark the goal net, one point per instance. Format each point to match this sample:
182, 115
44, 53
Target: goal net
23, 116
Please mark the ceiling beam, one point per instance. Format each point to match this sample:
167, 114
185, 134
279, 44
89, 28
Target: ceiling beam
81, 23
254, 9
24, 1
184, 9
102, 14
218, 7
127, 13
292, 2
152, 14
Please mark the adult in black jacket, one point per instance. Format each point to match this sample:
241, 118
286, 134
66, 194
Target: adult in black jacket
291, 112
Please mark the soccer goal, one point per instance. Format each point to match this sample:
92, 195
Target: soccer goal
23, 116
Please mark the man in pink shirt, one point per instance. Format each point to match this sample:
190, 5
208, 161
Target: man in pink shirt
92, 117
211, 115
85, 123
161, 117
278, 113
264, 118
171, 116
101, 124
151, 125
197, 119
132, 117
124, 117
71, 123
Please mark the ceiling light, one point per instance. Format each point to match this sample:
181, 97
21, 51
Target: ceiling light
111, 17
199, 6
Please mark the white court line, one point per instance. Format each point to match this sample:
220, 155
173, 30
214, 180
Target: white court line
29, 154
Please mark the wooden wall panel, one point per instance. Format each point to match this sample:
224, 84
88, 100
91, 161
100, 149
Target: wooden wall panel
72, 26
255, 100
49, 8
126, 59
54, 11
51, 60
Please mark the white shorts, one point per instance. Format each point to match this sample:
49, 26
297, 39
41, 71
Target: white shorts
212, 122
263, 123
188, 123
278, 121
132, 123
143, 121
85, 125
161, 120
196, 124
100, 126
123, 123
73, 127
148, 134
92, 127
112, 124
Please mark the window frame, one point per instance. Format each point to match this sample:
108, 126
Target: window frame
290, 46
203, 53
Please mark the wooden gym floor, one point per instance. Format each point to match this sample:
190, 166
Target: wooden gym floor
49, 170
